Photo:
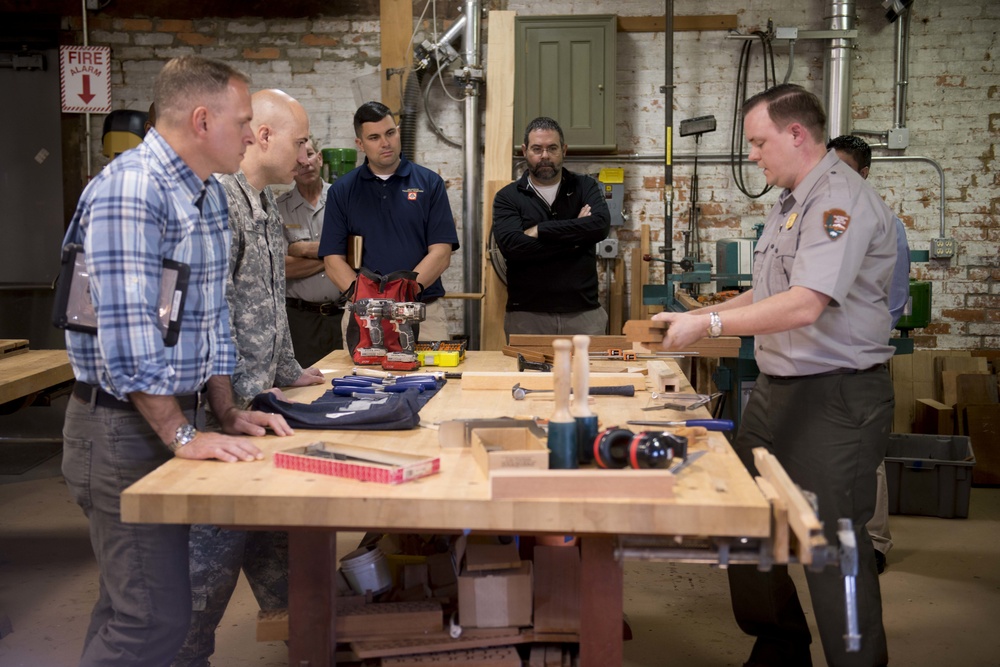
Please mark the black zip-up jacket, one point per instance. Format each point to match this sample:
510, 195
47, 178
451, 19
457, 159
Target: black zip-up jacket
557, 272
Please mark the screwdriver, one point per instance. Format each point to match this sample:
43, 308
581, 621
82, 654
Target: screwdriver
710, 424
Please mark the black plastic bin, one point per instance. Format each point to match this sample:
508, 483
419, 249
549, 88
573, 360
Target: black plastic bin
929, 475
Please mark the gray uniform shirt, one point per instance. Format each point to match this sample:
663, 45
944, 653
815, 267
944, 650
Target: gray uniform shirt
835, 235
302, 222
255, 290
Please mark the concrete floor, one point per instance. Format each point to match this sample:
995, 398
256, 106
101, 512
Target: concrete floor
941, 591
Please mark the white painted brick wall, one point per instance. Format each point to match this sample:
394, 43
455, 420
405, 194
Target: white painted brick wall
952, 115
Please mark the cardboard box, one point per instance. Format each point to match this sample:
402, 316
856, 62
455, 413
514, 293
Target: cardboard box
495, 598
508, 448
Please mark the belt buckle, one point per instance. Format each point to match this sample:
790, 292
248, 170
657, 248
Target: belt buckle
328, 308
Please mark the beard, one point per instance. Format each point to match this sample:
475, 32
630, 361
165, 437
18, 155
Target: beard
544, 170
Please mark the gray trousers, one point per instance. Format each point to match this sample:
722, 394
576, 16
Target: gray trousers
144, 604
314, 335
829, 433
589, 322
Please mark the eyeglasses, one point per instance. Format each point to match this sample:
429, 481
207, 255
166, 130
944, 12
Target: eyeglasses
539, 151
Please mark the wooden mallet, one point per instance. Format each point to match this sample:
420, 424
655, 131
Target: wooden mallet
562, 426
586, 420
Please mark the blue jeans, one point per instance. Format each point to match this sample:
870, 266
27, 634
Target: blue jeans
144, 607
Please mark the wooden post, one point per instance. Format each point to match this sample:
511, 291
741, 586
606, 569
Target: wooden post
312, 592
496, 165
396, 19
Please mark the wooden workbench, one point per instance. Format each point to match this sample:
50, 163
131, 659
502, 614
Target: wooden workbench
713, 497
24, 372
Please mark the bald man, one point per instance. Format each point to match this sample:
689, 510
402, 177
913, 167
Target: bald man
255, 291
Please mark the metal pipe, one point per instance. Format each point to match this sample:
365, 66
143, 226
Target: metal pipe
86, 116
902, 68
837, 69
472, 237
668, 111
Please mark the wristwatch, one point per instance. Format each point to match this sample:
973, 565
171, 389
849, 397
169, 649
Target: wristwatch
183, 436
714, 325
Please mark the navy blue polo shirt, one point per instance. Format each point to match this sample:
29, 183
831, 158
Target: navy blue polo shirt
398, 217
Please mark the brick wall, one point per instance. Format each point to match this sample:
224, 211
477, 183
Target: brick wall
952, 102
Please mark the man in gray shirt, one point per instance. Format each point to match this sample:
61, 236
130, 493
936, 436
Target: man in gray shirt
313, 315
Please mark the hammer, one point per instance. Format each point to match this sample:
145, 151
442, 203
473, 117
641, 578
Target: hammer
519, 392
523, 365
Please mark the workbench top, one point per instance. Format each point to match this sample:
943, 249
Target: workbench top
31, 371
715, 496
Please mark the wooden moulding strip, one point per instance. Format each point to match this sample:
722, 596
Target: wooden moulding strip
650, 333
497, 380
471, 638
363, 621
681, 23
779, 521
597, 343
591, 484
808, 529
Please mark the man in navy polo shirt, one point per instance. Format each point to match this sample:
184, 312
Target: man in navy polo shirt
401, 211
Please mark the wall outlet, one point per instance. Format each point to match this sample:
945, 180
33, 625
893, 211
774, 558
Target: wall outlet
943, 248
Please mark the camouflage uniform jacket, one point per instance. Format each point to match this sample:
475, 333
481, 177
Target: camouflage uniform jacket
255, 289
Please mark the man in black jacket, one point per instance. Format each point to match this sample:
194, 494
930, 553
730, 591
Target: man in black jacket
547, 225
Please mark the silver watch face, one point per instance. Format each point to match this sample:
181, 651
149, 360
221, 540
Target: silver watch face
184, 435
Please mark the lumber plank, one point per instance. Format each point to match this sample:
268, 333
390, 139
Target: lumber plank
616, 300
493, 380
597, 343
438, 642
982, 423
651, 332
11, 346
803, 521
509, 484
32, 371
363, 621
948, 380
480, 557
396, 27
499, 130
600, 641
779, 529
933, 417
505, 656
681, 23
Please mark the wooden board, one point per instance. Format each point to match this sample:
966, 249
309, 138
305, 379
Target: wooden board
499, 380
363, 621
395, 30
591, 484
933, 417
982, 423
681, 23
11, 346
801, 518
948, 368
499, 128
32, 371
651, 332
556, 594
597, 343
480, 557
440, 641
976, 389
780, 544
484, 657
616, 300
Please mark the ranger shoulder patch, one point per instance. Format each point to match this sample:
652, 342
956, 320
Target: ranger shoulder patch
836, 222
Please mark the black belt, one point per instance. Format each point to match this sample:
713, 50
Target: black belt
328, 308
89, 393
835, 371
